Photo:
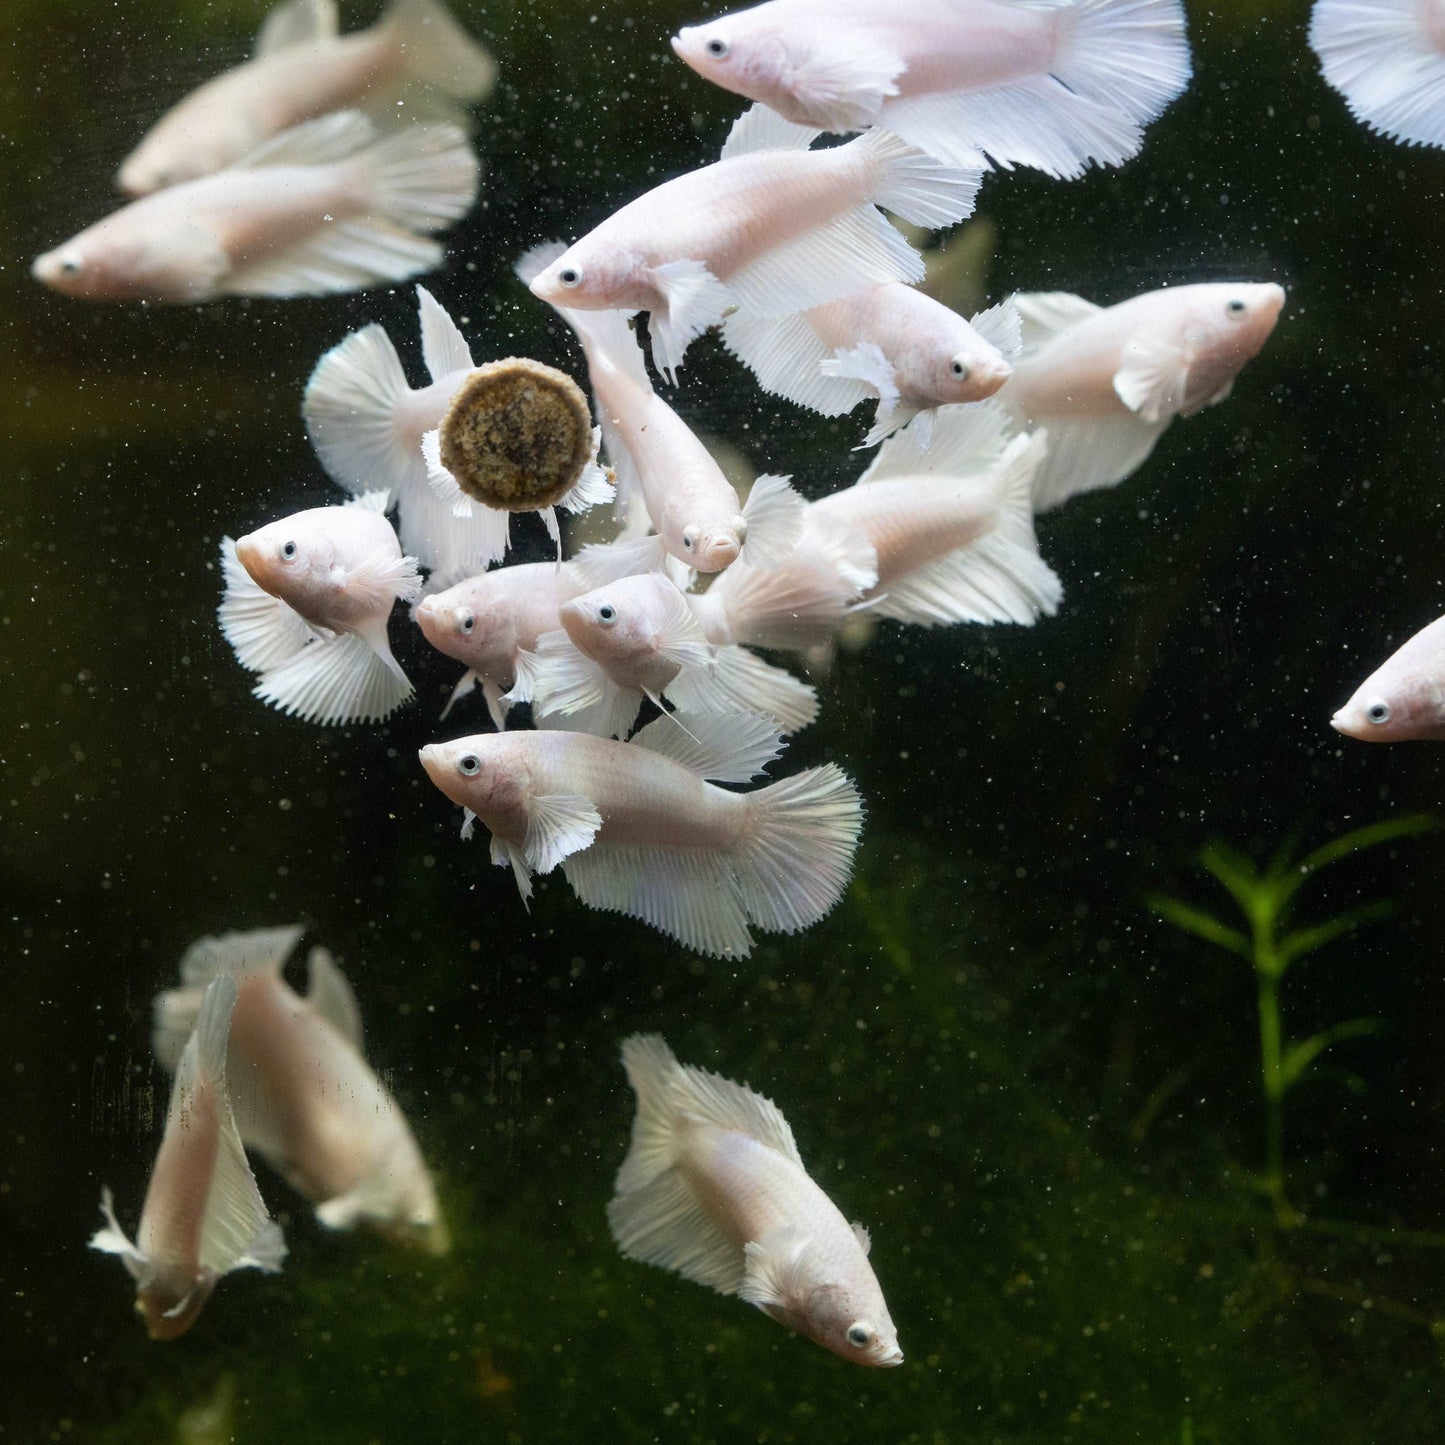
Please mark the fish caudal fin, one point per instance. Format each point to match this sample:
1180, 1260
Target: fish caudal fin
786, 356
738, 681
1380, 56
438, 52
1132, 55
915, 185
455, 535
263, 631
337, 681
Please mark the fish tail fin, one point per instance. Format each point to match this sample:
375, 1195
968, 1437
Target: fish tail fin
798, 856
350, 410
1379, 55
916, 186
439, 52
341, 680
1129, 54
423, 178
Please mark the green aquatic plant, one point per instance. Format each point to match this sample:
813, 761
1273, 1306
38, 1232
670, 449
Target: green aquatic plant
1273, 944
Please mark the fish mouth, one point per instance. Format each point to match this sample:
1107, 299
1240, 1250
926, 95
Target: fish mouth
892, 1358
430, 758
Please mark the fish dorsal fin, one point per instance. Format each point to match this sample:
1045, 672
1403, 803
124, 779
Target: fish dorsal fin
774, 516
865, 1240
1044, 314
761, 129
728, 749
558, 825
443, 347
777, 1270
312, 143
966, 440
261, 950
298, 22
1001, 327
330, 996
1152, 377
735, 1107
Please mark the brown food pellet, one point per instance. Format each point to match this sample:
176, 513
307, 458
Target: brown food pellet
517, 435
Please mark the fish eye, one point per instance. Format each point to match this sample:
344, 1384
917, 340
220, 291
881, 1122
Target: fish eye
1235, 307
1378, 712
469, 766
570, 277
288, 550
960, 370
466, 621
70, 266
607, 613
859, 1335
689, 538
717, 48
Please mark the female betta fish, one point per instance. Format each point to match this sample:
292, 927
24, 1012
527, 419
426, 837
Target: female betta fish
1057, 85
714, 1188
638, 830
306, 605
303, 69
772, 228
1106, 381
301, 1090
318, 209
1404, 698
203, 1215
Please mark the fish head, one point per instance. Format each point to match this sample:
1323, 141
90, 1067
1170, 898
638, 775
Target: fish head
291, 559
129, 257
472, 624
712, 547
155, 164
1404, 699
850, 1319
972, 373
1228, 326
616, 624
588, 276
740, 53
177, 150
169, 1311
75, 269
486, 773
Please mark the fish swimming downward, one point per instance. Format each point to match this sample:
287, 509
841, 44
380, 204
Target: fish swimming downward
306, 604
890, 342
770, 229
203, 1215
637, 640
322, 207
665, 475
1107, 381
303, 69
1403, 700
638, 830
714, 1188
1387, 58
302, 1094
492, 623
1057, 86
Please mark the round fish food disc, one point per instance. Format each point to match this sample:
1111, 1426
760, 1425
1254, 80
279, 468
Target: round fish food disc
517, 435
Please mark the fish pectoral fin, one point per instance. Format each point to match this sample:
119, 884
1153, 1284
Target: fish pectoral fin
330, 995
112, 1239
847, 79
1221, 395
1043, 315
1152, 378
263, 630
318, 142
776, 1269
860, 1233
443, 347
569, 690
508, 855
384, 577
725, 749
342, 680
466, 683
558, 825
760, 128
694, 301
773, 513
1001, 327
866, 363
298, 22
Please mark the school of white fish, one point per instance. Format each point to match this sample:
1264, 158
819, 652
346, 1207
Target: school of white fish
645, 778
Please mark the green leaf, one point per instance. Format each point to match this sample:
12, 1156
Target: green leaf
1198, 922
1307, 940
1372, 835
1239, 875
1298, 1057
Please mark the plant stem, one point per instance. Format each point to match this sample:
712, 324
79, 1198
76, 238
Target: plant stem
1267, 971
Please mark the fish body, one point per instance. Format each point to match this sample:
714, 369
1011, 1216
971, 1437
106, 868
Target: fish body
318, 209
302, 1091
302, 70
714, 1188
492, 622
773, 228
1057, 87
306, 605
203, 1215
1403, 700
638, 830
1107, 381
890, 342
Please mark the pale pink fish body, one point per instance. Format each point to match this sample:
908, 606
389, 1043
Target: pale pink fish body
1107, 381
1053, 86
714, 1188
303, 69
638, 830
203, 1215
316, 210
773, 228
1403, 700
491, 622
301, 1089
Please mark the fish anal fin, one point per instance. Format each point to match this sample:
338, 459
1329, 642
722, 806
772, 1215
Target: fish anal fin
661, 1222
339, 681
739, 681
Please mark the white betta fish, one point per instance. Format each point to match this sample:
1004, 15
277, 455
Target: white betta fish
306, 605
203, 1215
1107, 381
317, 209
301, 70
492, 622
662, 467
772, 228
638, 830
637, 639
1387, 58
890, 342
1044, 83
714, 1188
301, 1090
1403, 700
